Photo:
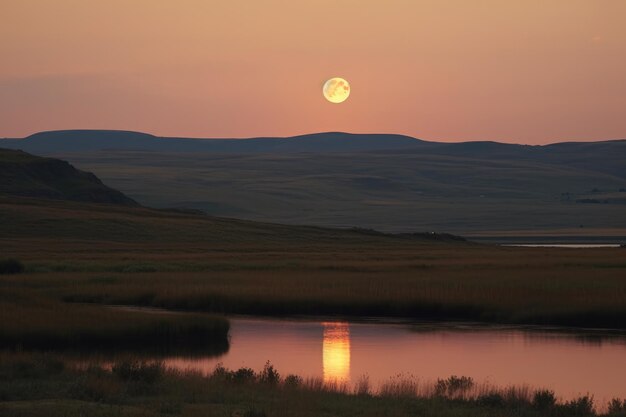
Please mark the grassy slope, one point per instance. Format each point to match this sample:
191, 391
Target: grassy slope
138, 256
395, 191
22, 174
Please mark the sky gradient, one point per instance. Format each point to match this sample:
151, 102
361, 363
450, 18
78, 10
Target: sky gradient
524, 71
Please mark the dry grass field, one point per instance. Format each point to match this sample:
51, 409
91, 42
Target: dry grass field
103, 254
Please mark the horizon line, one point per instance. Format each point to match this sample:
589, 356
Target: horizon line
311, 134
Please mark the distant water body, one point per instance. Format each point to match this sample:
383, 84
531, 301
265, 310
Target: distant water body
566, 245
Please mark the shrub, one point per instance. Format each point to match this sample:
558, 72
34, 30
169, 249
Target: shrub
453, 386
138, 371
11, 266
582, 406
243, 375
269, 375
543, 399
617, 406
222, 374
293, 381
493, 399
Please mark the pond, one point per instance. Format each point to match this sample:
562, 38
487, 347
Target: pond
571, 363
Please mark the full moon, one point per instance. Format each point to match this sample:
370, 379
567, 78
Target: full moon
336, 90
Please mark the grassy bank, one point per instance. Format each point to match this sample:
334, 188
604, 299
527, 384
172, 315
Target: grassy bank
460, 295
38, 385
37, 322
548, 290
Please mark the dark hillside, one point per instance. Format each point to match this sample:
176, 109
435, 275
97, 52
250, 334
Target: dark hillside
22, 174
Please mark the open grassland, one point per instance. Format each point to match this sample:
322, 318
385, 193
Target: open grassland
111, 255
406, 190
44, 385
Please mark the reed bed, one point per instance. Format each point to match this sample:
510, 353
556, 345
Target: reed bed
30, 322
555, 295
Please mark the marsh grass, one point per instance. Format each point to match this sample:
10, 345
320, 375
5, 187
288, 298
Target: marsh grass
469, 283
556, 297
131, 387
30, 322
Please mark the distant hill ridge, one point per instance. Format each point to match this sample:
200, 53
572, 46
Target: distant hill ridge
392, 183
25, 175
600, 156
92, 140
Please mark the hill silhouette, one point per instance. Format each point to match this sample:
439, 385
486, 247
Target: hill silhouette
90, 140
602, 156
22, 174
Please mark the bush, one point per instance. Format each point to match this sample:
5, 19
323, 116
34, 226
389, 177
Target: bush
453, 386
617, 406
543, 399
243, 375
269, 375
581, 407
293, 381
493, 399
138, 371
11, 266
221, 373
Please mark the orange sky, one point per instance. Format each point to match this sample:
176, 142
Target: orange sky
526, 71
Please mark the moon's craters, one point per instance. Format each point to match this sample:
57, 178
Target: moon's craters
336, 90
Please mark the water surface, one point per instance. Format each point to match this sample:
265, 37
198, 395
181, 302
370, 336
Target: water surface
571, 363
565, 245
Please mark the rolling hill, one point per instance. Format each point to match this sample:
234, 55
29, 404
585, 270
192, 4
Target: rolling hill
47, 198
94, 140
387, 182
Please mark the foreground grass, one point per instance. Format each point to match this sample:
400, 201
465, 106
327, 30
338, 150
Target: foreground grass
43, 385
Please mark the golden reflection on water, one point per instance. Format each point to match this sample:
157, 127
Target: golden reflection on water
336, 352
